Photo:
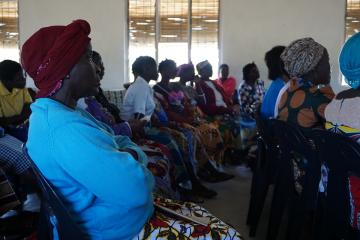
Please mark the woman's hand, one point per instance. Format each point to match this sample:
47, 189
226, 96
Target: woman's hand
131, 152
137, 127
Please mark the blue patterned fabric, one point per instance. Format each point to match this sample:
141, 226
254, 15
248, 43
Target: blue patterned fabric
12, 159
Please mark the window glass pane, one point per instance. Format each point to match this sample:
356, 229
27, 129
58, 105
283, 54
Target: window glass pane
173, 40
9, 30
205, 24
352, 21
141, 30
352, 17
173, 29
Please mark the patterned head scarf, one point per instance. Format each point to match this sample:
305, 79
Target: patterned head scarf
201, 65
302, 56
50, 53
350, 61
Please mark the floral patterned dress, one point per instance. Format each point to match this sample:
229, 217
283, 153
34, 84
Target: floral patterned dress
165, 226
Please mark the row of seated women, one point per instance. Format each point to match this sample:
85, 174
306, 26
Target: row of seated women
110, 166
301, 94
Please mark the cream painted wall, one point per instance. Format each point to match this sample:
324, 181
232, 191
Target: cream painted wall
107, 19
248, 29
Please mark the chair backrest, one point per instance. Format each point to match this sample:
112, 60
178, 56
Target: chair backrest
264, 127
66, 227
339, 152
342, 156
294, 143
291, 138
267, 143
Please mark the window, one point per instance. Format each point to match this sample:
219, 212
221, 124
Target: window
352, 17
9, 30
182, 30
352, 22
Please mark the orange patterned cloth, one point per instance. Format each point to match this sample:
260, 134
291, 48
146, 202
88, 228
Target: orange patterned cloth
304, 104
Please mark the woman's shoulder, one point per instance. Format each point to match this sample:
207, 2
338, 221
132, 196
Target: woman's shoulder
322, 92
54, 115
344, 111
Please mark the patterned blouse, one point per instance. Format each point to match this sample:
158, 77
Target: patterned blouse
304, 104
342, 118
250, 97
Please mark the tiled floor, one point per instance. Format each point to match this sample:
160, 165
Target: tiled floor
231, 204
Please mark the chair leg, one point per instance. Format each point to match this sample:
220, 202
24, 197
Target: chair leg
297, 216
254, 184
280, 200
258, 205
252, 205
263, 179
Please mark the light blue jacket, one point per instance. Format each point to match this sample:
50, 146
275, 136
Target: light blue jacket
108, 192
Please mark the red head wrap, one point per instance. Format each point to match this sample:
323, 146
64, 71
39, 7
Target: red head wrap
50, 53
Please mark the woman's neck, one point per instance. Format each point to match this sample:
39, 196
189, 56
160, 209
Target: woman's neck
65, 98
182, 81
9, 88
145, 78
164, 82
251, 83
205, 78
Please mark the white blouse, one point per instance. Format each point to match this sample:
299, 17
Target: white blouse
344, 112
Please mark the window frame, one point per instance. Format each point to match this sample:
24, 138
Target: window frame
343, 84
18, 28
157, 34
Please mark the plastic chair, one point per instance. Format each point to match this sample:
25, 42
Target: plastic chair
52, 205
342, 156
264, 171
293, 141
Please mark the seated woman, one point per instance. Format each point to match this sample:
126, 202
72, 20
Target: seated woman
179, 109
308, 94
219, 109
102, 178
100, 97
216, 101
342, 114
208, 132
251, 91
15, 99
228, 83
139, 102
278, 79
159, 163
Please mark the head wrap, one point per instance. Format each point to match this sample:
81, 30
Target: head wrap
302, 56
184, 68
50, 53
202, 65
350, 61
